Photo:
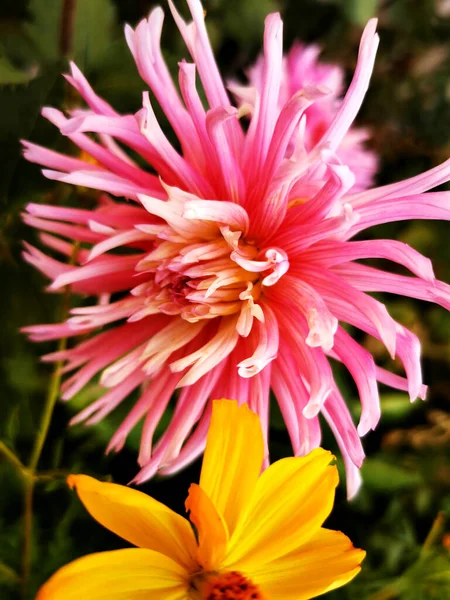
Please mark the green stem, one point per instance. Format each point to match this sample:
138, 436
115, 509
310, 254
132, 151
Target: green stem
67, 28
13, 460
7, 574
434, 534
387, 593
46, 418
52, 396
51, 475
27, 536
55, 382
393, 590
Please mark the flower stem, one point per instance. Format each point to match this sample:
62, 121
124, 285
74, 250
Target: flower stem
53, 475
7, 574
52, 396
67, 27
27, 535
393, 590
387, 593
434, 534
13, 460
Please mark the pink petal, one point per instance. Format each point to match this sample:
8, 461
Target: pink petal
358, 87
262, 125
217, 120
331, 286
145, 45
362, 368
434, 205
370, 279
335, 252
80, 83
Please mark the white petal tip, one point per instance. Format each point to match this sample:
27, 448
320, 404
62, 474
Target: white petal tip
363, 428
311, 410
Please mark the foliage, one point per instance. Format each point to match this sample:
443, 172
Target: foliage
407, 473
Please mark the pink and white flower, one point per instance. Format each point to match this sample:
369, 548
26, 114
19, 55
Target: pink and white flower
231, 271
300, 68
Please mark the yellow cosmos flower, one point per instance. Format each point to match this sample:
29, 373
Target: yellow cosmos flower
253, 536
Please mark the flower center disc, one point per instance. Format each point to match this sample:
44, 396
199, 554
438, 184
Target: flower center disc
230, 586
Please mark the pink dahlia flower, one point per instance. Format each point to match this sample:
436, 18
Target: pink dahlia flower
301, 68
231, 271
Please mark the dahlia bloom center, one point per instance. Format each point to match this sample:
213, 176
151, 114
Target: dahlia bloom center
226, 586
202, 265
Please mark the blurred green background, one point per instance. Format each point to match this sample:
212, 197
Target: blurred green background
407, 472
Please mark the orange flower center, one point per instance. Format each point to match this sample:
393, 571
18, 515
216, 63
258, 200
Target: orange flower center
230, 586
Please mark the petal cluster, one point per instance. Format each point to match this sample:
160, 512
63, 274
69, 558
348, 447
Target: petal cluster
301, 67
256, 536
230, 269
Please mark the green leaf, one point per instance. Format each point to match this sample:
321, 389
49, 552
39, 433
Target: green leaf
93, 29
360, 11
8, 577
428, 578
44, 27
395, 407
382, 476
9, 74
117, 78
245, 20
20, 108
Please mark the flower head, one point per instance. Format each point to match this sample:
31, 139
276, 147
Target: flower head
257, 536
232, 272
301, 68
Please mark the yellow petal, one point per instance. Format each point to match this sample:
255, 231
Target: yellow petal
326, 562
233, 458
131, 574
211, 528
291, 500
137, 518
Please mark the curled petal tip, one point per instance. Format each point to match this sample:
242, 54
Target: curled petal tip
363, 428
311, 410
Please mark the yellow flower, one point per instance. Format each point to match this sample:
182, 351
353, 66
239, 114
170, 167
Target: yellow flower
253, 536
